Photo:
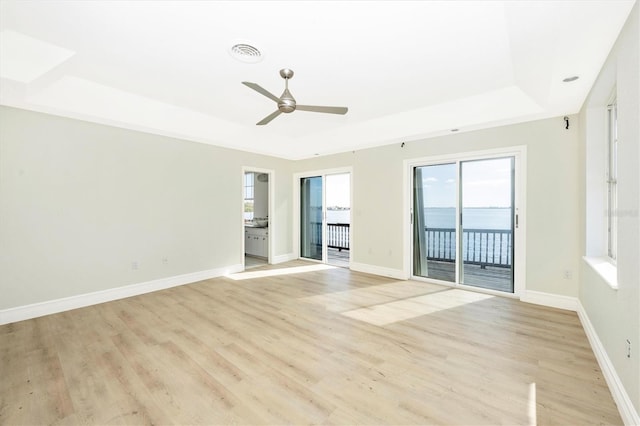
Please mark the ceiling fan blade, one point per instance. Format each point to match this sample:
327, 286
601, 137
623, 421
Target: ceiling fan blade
268, 118
327, 109
262, 91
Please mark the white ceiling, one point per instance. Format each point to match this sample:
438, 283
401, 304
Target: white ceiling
406, 70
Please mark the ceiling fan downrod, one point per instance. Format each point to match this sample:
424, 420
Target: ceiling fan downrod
287, 102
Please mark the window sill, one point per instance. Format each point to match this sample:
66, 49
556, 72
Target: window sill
607, 270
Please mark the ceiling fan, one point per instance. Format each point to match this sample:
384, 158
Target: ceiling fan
287, 103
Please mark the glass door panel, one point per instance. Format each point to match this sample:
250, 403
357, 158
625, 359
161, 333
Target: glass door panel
486, 236
311, 212
434, 221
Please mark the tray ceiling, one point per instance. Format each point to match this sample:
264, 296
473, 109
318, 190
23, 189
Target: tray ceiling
406, 70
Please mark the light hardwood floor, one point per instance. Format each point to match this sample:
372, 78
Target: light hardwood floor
325, 346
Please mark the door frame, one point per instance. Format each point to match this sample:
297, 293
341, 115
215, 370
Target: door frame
519, 152
296, 209
272, 225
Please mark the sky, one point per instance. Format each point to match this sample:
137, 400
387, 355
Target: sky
338, 189
486, 183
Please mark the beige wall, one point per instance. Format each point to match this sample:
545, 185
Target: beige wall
552, 196
615, 313
80, 202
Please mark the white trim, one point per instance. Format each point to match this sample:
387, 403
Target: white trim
295, 214
407, 213
551, 300
620, 396
284, 258
35, 310
322, 172
603, 267
520, 272
467, 155
378, 270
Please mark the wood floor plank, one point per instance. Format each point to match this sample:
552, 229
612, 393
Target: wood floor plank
327, 346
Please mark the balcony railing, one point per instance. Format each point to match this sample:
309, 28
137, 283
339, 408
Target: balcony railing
484, 247
338, 236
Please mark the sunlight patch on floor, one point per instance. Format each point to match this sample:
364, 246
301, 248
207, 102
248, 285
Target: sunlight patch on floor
345, 300
531, 412
399, 310
279, 271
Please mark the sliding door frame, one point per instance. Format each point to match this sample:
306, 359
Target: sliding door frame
296, 209
520, 156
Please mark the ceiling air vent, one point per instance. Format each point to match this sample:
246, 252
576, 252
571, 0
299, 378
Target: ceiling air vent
245, 52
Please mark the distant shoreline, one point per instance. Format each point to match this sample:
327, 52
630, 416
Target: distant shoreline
452, 207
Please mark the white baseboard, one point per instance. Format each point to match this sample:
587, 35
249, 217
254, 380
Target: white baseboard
551, 300
34, 310
283, 258
620, 396
378, 270
625, 406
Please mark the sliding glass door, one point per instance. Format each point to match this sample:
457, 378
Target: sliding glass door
463, 222
487, 223
311, 215
434, 212
325, 217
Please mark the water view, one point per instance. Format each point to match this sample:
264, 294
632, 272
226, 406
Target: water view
474, 218
445, 217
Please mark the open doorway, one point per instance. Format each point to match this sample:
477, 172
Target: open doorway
256, 208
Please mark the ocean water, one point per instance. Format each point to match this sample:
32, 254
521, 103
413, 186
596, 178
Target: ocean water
473, 218
445, 217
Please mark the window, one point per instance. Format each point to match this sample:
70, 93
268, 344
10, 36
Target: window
249, 185
612, 179
601, 172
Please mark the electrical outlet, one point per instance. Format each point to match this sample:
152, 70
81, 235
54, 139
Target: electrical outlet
567, 274
135, 265
165, 260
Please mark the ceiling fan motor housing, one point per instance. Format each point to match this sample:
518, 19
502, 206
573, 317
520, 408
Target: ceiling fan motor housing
287, 103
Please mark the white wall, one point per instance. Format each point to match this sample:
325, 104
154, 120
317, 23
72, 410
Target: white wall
80, 202
552, 196
615, 313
